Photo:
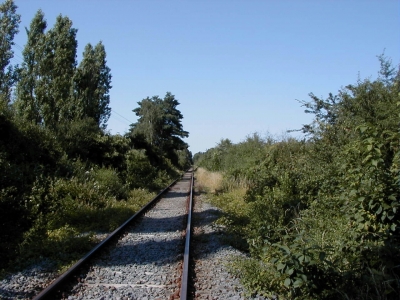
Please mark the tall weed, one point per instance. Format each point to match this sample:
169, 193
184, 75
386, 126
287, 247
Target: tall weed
208, 181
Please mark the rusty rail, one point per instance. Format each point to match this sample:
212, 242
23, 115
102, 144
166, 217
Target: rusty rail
185, 269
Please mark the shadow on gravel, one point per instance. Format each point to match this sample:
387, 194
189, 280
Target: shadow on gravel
206, 217
10, 294
175, 194
151, 250
158, 225
160, 241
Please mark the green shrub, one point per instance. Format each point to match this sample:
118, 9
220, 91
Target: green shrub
110, 184
139, 169
62, 245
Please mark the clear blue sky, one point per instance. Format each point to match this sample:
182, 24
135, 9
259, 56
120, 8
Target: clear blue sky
236, 67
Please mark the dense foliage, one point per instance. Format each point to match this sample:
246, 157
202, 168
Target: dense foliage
321, 215
159, 126
63, 176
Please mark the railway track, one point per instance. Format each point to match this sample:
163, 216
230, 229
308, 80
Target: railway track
146, 258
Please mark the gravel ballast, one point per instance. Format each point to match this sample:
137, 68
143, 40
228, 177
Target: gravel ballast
211, 255
29, 282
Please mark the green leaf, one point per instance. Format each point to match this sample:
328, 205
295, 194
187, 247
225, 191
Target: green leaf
280, 266
363, 128
284, 247
367, 158
289, 271
393, 227
353, 192
298, 283
287, 282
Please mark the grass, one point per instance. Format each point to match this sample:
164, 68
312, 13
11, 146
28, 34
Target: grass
228, 195
208, 182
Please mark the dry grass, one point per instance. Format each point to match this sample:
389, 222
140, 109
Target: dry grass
206, 181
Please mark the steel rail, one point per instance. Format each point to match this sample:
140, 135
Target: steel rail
52, 288
186, 256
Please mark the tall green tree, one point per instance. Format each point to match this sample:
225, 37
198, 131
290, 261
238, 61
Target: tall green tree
149, 121
45, 91
59, 64
28, 101
172, 129
9, 22
92, 83
160, 123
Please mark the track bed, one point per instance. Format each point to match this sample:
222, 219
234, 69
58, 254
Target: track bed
146, 261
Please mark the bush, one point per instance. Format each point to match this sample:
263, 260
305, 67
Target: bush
323, 212
110, 184
27, 151
63, 245
139, 171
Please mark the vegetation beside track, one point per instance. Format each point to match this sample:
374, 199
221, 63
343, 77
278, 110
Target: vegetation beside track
64, 177
319, 216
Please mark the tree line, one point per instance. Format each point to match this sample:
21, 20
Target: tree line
57, 159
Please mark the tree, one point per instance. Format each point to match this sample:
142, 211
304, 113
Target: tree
172, 130
45, 89
28, 102
150, 120
160, 123
9, 21
92, 81
52, 90
59, 64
